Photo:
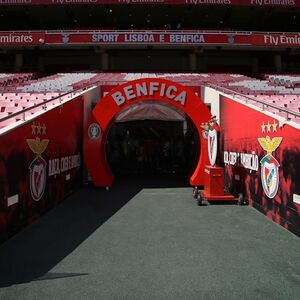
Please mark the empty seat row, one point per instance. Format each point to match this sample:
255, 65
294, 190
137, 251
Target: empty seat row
7, 79
286, 80
62, 82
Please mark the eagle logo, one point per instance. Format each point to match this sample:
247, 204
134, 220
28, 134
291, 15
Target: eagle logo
270, 166
37, 168
65, 38
205, 128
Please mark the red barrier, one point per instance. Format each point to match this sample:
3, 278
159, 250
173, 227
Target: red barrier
40, 164
261, 157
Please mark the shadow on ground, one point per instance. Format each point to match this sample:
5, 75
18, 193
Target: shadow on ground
32, 253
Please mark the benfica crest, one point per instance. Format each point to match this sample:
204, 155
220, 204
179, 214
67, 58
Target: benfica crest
270, 166
37, 168
94, 131
210, 133
205, 128
212, 142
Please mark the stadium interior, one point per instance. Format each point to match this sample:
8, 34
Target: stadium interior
63, 66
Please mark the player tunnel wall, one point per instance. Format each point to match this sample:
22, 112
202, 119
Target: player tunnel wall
40, 164
273, 190
122, 96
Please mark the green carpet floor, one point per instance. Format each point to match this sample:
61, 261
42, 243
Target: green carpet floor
140, 241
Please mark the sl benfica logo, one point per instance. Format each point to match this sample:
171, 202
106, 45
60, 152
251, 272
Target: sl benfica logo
212, 142
270, 166
94, 131
211, 134
38, 165
205, 128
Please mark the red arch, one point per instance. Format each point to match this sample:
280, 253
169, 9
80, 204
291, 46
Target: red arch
134, 91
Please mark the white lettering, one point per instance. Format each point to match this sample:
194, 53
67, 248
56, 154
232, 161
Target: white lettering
129, 92
62, 2
105, 38
139, 38
225, 158
162, 90
15, 1
53, 168
269, 39
59, 165
153, 88
247, 160
12, 38
169, 90
273, 2
119, 98
187, 38
181, 97
64, 164
208, 2
141, 89
228, 2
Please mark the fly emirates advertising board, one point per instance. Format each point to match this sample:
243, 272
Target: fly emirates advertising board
262, 3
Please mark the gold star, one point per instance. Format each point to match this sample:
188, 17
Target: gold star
263, 127
274, 125
39, 129
268, 127
33, 127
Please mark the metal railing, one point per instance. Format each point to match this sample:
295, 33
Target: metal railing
43, 104
94, 84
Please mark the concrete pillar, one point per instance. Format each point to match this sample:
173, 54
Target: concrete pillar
278, 62
105, 61
255, 68
201, 60
41, 64
18, 62
192, 61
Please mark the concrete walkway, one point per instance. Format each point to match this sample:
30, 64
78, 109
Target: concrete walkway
137, 242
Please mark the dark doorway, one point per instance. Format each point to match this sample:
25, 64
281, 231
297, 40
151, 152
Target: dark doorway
152, 148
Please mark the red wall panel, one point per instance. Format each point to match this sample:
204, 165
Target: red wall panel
243, 154
40, 164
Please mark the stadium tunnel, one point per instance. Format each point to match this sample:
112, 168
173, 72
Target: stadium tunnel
147, 126
152, 138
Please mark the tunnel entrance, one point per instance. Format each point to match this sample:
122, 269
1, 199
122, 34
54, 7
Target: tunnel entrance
151, 148
186, 105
